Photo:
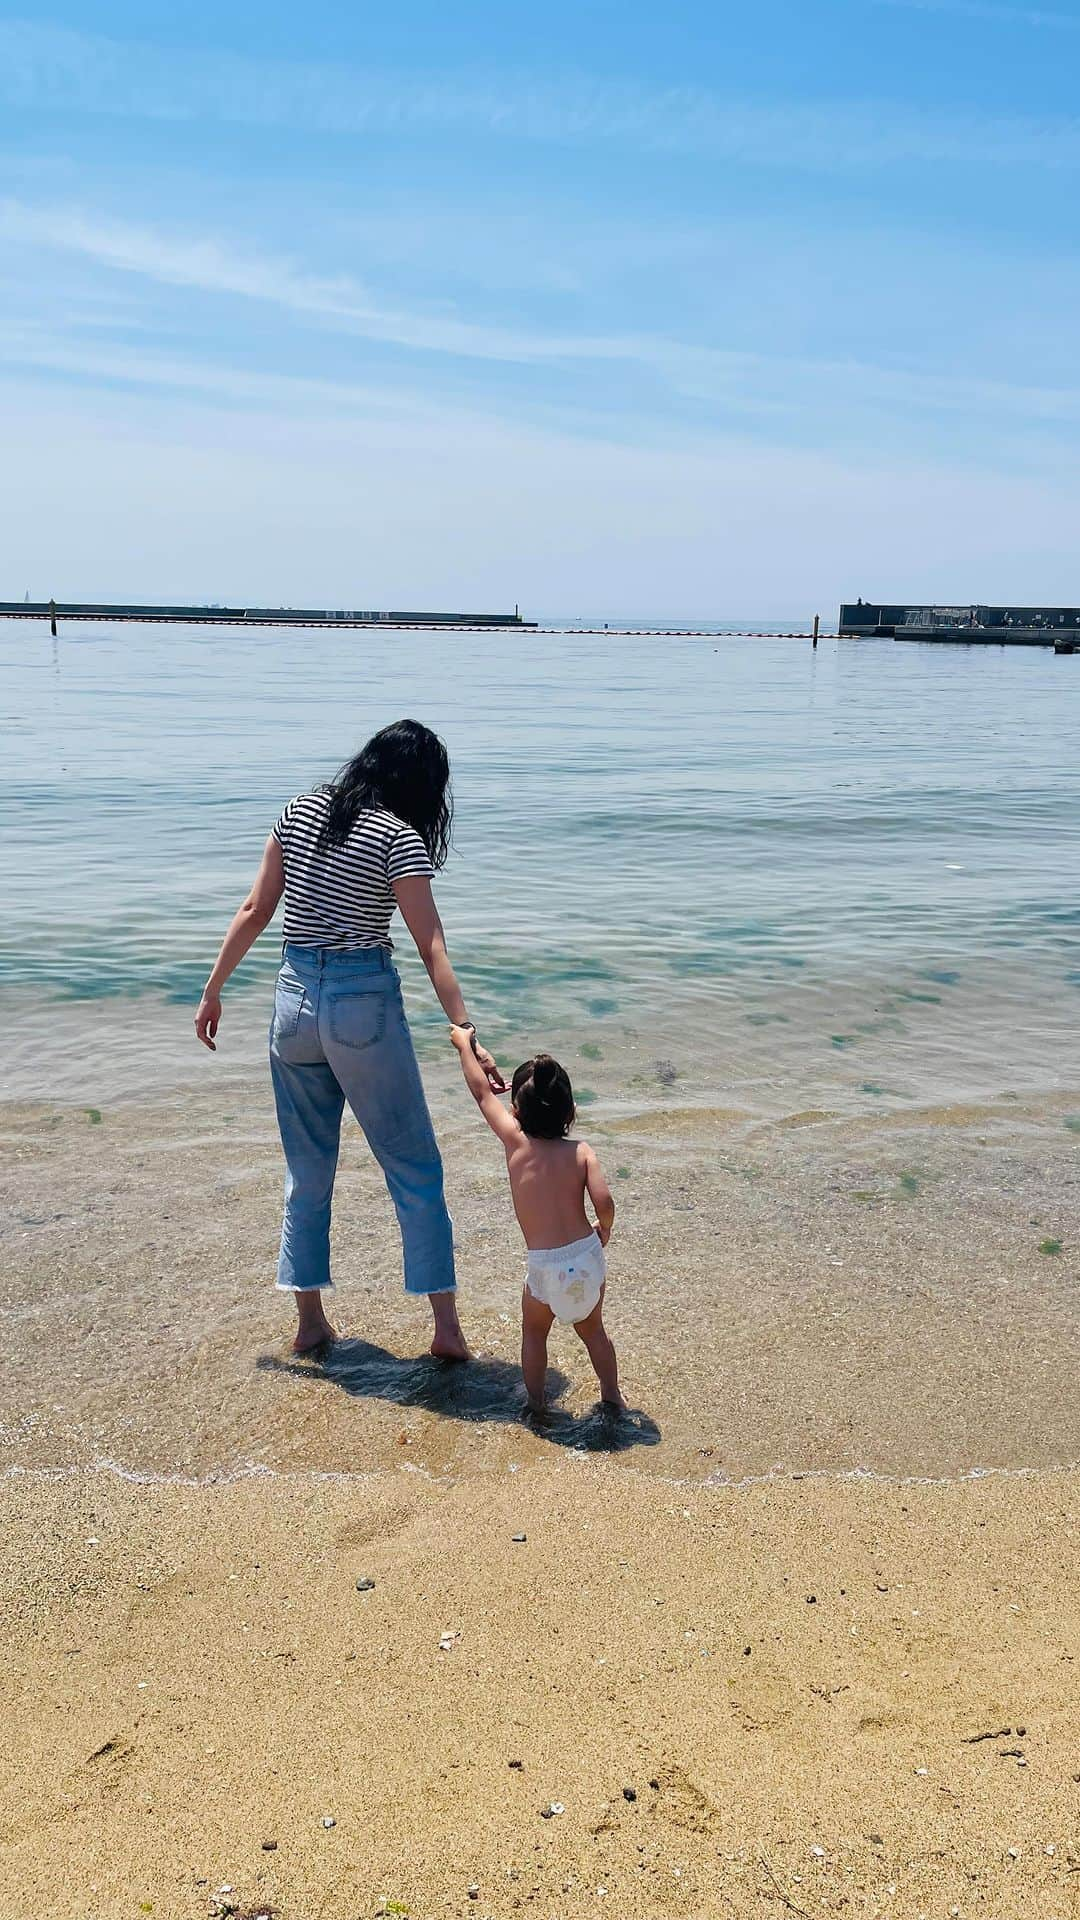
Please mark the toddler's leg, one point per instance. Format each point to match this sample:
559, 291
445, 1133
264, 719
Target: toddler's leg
536, 1321
593, 1333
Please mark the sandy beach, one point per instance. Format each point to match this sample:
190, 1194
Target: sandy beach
812, 1697
734, 349
798, 1635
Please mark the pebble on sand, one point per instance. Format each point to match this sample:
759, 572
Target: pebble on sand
328, 1820
365, 1584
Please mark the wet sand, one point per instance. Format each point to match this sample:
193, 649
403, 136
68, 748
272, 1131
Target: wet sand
812, 1292
778, 1589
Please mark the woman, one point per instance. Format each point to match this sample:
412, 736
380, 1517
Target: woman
345, 856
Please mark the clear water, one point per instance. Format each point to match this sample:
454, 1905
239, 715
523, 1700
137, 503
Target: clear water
850, 874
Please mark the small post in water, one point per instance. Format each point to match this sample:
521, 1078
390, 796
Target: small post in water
52, 618
817, 624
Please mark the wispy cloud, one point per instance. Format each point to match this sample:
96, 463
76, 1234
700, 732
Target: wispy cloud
788, 399
54, 69
990, 10
744, 383
215, 267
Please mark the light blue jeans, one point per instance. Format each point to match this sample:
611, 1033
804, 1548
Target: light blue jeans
339, 1033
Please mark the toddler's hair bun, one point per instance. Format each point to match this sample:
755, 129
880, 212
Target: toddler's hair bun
545, 1075
543, 1097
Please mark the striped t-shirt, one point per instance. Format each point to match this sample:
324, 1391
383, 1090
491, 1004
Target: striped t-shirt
344, 896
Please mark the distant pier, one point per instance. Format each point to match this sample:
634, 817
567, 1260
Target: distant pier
971, 625
54, 610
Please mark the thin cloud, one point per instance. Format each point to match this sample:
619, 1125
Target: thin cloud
213, 267
776, 391
760, 383
218, 268
48, 69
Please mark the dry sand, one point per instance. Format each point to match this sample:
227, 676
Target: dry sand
804, 1666
746, 1701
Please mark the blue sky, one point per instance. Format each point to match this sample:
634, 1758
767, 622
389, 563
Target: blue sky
694, 309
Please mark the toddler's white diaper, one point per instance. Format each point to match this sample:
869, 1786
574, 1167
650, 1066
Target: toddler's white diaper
567, 1279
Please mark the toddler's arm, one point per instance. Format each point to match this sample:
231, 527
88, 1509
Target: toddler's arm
479, 1086
600, 1195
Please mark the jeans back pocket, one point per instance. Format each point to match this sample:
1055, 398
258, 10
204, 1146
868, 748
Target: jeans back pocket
288, 1006
358, 1016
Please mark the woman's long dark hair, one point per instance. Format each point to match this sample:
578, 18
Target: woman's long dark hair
404, 769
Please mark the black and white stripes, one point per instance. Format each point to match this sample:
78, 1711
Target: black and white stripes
343, 896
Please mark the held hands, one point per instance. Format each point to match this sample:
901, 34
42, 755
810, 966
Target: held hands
465, 1040
487, 1061
208, 1019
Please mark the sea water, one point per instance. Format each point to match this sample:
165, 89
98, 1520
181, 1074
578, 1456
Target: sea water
736, 866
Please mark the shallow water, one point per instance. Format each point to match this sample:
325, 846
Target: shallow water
803, 927
891, 1292
798, 877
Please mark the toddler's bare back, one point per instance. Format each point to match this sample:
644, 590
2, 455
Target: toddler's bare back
548, 1180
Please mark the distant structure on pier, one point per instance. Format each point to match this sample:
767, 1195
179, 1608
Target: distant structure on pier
54, 610
992, 626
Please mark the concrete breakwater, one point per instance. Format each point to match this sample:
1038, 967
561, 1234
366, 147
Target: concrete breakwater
54, 610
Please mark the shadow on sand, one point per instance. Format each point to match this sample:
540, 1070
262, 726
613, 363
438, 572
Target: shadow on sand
486, 1389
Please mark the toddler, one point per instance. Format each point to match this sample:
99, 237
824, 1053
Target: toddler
549, 1178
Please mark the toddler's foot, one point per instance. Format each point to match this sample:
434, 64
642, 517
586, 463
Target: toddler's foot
615, 1400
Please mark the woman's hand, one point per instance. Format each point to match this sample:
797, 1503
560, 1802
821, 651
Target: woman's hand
208, 1019
487, 1061
256, 913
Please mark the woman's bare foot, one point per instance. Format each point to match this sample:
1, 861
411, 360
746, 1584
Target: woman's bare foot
449, 1342
314, 1329
309, 1342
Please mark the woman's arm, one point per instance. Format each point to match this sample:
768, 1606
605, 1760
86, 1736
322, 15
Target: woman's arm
256, 913
421, 916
